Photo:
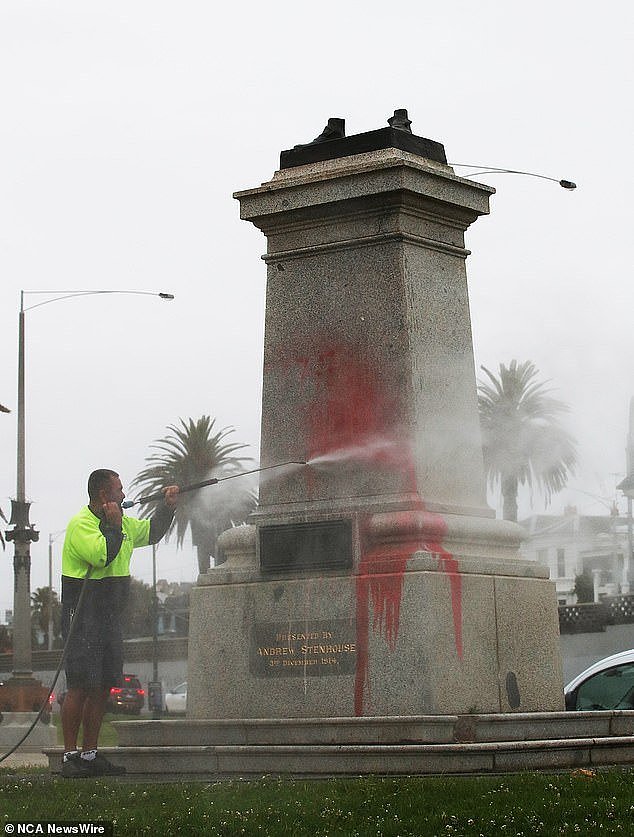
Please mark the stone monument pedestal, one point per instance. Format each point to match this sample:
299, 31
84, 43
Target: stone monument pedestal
21, 697
374, 579
477, 637
22, 693
14, 725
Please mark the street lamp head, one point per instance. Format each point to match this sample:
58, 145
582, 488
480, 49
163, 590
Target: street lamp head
565, 184
72, 294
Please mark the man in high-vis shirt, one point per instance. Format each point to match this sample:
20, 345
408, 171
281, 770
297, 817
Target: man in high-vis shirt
99, 543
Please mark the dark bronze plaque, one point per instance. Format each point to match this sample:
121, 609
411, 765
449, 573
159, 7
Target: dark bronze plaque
314, 649
298, 547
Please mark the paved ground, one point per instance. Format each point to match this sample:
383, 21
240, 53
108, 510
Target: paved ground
25, 760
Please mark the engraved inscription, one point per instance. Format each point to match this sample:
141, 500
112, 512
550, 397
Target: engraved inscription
317, 649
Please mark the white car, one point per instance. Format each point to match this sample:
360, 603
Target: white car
607, 684
176, 700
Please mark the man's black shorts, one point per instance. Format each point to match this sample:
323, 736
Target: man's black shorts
95, 651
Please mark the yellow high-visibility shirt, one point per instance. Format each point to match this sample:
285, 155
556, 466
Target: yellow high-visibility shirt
85, 546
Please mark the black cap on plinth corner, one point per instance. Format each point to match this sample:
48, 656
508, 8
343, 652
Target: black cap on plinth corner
398, 135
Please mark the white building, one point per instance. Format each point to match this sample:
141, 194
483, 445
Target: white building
571, 544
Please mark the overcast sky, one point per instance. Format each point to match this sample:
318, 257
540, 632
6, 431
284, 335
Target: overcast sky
127, 126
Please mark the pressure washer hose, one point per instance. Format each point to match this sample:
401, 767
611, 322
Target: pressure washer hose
58, 671
126, 505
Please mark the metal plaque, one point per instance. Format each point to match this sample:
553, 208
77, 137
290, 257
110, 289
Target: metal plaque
301, 547
300, 649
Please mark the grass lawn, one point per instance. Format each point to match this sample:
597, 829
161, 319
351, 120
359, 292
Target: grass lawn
581, 802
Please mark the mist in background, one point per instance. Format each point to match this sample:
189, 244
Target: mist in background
126, 128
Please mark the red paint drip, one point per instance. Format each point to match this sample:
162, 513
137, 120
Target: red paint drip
350, 409
449, 565
380, 580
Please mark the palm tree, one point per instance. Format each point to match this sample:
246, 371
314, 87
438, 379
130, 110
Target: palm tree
523, 442
192, 453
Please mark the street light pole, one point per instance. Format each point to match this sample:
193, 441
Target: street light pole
24, 689
154, 618
51, 539
628, 557
155, 692
49, 643
22, 534
21, 427
627, 487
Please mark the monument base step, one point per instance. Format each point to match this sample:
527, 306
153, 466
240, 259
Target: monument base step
320, 747
357, 760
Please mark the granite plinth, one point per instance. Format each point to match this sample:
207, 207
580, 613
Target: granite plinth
368, 360
428, 640
369, 379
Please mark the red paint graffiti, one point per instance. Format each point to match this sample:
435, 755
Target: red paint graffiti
348, 408
380, 581
351, 411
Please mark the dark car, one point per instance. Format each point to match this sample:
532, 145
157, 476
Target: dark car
127, 695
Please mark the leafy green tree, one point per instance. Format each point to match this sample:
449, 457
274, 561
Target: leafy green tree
584, 587
191, 453
43, 603
137, 614
523, 441
6, 640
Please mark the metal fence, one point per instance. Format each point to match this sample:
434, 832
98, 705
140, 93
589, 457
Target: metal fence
593, 618
134, 651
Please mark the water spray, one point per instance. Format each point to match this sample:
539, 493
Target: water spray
127, 504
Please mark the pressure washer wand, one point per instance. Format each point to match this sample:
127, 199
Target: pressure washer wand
127, 504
